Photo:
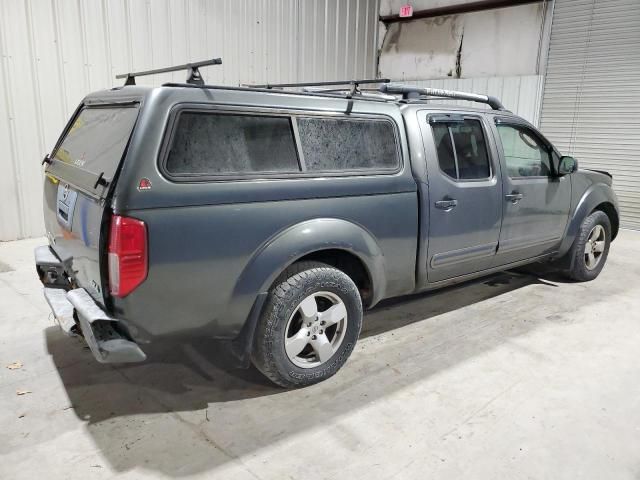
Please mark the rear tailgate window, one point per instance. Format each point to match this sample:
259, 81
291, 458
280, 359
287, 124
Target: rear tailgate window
93, 147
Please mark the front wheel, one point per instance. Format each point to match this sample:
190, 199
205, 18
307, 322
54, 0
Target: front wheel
309, 326
591, 247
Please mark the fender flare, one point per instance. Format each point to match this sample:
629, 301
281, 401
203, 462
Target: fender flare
595, 195
307, 237
284, 249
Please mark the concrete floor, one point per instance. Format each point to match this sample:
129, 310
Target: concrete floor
513, 376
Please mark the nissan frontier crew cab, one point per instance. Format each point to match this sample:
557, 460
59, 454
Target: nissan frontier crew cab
271, 216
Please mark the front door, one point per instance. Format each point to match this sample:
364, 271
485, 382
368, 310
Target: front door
464, 195
536, 201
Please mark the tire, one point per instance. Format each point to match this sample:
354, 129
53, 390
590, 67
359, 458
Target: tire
595, 228
288, 320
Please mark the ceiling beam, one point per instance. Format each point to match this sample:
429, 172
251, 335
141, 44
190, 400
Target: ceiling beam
476, 6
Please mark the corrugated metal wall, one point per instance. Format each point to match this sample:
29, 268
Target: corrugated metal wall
591, 102
520, 94
56, 51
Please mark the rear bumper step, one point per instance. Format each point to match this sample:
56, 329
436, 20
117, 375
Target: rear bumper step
61, 308
104, 334
105, 339
101, 332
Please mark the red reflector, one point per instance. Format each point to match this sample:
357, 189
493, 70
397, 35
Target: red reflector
127, 255
145, 184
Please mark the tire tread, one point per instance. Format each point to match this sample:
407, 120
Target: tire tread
578, 270
288, 283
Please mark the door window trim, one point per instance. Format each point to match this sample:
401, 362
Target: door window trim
174, 115
440, 118
516, 123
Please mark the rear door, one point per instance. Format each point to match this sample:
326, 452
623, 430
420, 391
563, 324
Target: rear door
536, 202
464, 195
78, 179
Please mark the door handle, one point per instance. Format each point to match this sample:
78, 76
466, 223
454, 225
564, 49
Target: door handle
446, 205
514, 197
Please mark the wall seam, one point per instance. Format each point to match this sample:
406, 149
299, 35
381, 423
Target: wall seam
60, 59
356, 37
13, 143
35, 84
37, 99
127, 19
83, 47
365, 54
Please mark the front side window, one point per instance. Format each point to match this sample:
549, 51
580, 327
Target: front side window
336, 144
462, 149
524, 153
206, 143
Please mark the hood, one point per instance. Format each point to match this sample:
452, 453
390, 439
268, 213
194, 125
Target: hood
597, 176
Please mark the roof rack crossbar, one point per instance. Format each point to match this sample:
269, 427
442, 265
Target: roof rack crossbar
321, 84
410, 92
194, 74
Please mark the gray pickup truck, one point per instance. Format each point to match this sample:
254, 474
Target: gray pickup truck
270, 218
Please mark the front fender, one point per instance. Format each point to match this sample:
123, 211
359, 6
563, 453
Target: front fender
593, 196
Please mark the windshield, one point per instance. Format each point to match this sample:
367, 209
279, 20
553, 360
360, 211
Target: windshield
94, 144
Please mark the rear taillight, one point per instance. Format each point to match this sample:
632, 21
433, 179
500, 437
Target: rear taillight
127, 255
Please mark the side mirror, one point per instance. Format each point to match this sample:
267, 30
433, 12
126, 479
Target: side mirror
567, 165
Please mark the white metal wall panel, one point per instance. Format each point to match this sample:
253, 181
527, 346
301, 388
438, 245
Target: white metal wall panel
53, 52
591, 97
520, 94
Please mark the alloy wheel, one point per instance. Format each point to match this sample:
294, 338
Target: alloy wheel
315, 330
594, 247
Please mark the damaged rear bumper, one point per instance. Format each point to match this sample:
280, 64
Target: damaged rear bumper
104, 334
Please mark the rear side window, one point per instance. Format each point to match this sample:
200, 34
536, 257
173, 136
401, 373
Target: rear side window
335, 144
462, 149
219, 143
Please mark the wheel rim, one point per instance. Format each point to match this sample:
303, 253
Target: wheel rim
315, 330
594, 247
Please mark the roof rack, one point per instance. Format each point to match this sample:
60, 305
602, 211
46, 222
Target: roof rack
409, 92
317, 93
194, 74
387, 91
353, 85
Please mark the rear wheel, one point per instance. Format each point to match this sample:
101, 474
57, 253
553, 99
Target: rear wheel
309, 326
591, 247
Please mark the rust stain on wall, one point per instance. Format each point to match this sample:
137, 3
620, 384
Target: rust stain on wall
459, 57
426, 44
498, 42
